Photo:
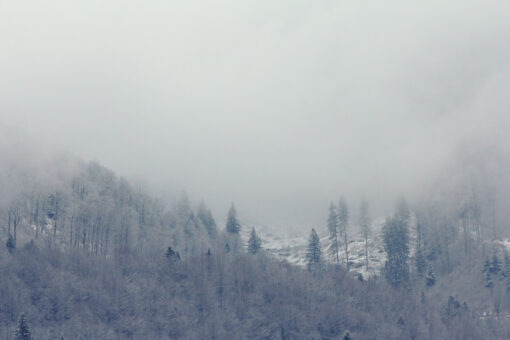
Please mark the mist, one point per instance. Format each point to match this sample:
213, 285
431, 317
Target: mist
280, 107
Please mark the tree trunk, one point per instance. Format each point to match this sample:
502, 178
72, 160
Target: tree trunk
346, 250
336, 245
464, 227
366, 251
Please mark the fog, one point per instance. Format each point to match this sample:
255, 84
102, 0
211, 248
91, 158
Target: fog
278, 106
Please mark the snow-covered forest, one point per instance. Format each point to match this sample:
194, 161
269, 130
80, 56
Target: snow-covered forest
254, 170
86, 255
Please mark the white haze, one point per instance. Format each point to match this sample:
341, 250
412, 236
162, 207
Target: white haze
278, 106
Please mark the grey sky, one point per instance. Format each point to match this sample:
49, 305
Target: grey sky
279, 106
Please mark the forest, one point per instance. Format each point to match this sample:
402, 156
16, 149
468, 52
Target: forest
85, 255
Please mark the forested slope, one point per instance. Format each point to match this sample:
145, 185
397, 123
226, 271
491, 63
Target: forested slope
218, 296
71, 204
85, 255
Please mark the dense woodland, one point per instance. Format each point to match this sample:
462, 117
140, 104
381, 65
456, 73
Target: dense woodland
86, 255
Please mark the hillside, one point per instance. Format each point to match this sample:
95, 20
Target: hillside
293, 250
87, 260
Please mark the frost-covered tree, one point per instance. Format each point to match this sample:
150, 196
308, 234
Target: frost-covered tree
313, 251
205, 216
14, 216
396, 239
233, 226
254, 243
333, 232
343, 223
23, 331
54, 210
364, 223
402, 212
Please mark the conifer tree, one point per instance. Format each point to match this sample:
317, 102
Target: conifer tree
506, 270
333, 232
364, 222
205, 216
506, 265
254, 243
430, 280
171, 254
313, 251
495, 267
11, 247
227, 248
233, 226
402, 212
487, 269
486, 266
396, 239
347, 336
488, 280
421, 263
23, 331
343, 222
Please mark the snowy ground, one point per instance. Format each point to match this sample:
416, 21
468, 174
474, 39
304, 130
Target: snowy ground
505, 243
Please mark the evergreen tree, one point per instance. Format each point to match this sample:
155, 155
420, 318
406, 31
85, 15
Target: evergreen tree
347, 336
487, 269
233, 226
506, 265
254, 243
333, 232
495, 266
506, 270
364, 223
421, 263
402, 212
186, 215
396, 239
169, 253
313, 251
488, 279
227, 248
11, 247
23, 331
486, 266
430, 280
205, 216
343, 222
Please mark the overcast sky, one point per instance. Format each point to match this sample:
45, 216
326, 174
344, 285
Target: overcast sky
279, 106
